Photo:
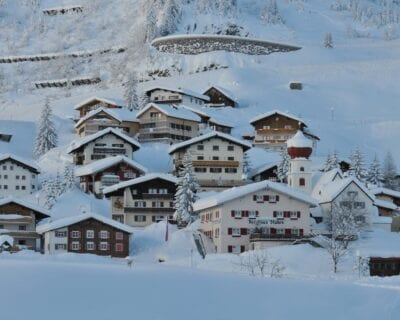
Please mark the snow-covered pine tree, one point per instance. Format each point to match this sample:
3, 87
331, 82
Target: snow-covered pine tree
170, 16
327, 166
246, 166
374, 174
186, 192
328, 41
151, 25
270, 13
357, 168
46, 137
331, 162
143, 100
69, 178
226, 7
131, 97
283, 166
389, 172
49, 188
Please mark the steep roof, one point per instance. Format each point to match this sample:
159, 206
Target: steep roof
30, 164
171, 111
94, 98
386, 191
44, 213
273, 112
325, 178
262, 168
238, 192
118, 114
85, 140
65, 222
105, 163
147, 177
224, 91
385, 204
213, 134
180, 90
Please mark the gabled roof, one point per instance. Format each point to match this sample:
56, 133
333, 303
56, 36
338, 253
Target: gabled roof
65, 222
180, 90
30, 164
118, 114
385, 204
105, 163
273, 112
194, 110
44, 213
105, 100
238, 192
224, 91
171, 111
325, 179
85, 140
332, 190
262, 168
145, 178
210, 135
386, 191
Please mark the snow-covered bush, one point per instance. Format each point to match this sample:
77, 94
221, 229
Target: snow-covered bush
259, 263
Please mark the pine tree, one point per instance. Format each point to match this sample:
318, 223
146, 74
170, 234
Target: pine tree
389, 172
374, 174
357, 168
283, 166
270, 14
69, 178
131, 97
143, 100
151, 25
186, 192
332, 162
328, 41
46, 137
170, 17
246, 166
49, 188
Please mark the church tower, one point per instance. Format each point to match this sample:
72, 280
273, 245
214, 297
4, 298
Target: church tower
299, 149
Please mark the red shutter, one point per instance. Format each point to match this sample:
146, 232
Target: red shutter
242, 248
286, 214
230, 249
273, 231
232, 213
275, 214
298, 214
243, 213
254, 198
266, 198
243, 231
301, 232
256, 213
247, 214
229, 230
277, 198
288, 231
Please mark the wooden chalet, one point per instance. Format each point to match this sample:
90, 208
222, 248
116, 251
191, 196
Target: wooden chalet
95, 103
220, 97
384, 267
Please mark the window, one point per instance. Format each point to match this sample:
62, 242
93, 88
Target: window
17, 177
216, 233
215, 148
22, 242
294, 214
200, 147
302, 182
33, 187
231, 148
200, 170
1, 226
237, 214
288, 126
302, 169
103, 246
273, 198
278, 214
4, 167
100, 144
75, 245
200, 158
215, 170
258, 198
134, 191
119, 247
157, 204
33, 176
5, 187
236, 249
253, 214
295, 232
60, 234
152, 191
230, 170
75, 234
215, 158
171, 204
352, 194
89, 234
60, 246
118, 145
22, 228
140, 204
16, 187
5, 176
231, 158
11, 167
163, 191
236, 232
23, 187
140, 218
90, 246
119, 236
104, 234
359, 205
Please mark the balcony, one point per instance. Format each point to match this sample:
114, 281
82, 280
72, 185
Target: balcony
164, 210
156, 196
109, 150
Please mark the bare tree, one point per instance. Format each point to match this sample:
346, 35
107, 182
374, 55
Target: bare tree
259, 263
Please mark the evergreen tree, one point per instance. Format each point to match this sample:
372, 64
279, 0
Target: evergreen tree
246, 166
131, 97
151, 25
46, 137
374, 174
49, 188
332, 162
283, 166
270, 13
69, 178
170, 17
328, 41
186, 192
143, 100
357, 168
389, 172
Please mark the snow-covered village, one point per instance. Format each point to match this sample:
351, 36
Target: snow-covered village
199, 159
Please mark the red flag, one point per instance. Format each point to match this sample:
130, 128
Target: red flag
166, 228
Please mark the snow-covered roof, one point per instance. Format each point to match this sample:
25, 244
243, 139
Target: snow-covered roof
299, 141
332, 190
224, 91
237, 192
171, 111
195, 110
385, 204
147, 177
181, 90
8, 156
386, 191
65, 222
326, 178
105, 163
6, 239
26, 204
85, 140
213, 134
270, 113
118, 114
262, 168
114, 102
380, 243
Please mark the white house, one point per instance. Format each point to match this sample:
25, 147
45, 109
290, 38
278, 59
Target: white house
18, 176
108, 142
217, 159
254, 216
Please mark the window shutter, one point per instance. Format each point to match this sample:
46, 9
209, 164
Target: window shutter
277, 198
246, 213
266, 198
254, 198
275, 214
298, 214
229, 231
256, 213
232, 213
243, 231
242, 248
301, 232
288, 231
285, 214
230, 249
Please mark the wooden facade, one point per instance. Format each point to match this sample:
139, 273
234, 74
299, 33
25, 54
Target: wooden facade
384, 267
93, 105
217, 97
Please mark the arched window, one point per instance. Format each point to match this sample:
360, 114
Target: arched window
301, 169
302, 182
